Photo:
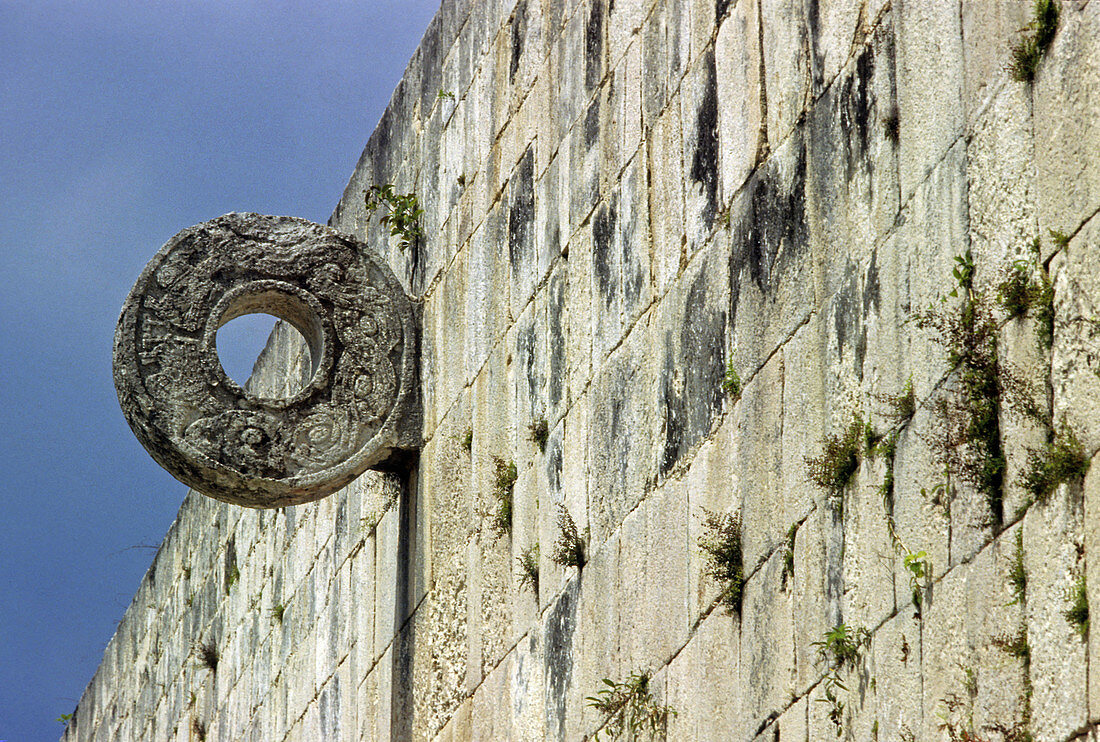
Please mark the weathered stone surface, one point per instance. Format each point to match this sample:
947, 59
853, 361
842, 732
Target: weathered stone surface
358, 410
621, 199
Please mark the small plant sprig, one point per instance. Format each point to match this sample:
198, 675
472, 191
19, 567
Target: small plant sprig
65, 718
468, 440
1028, 51
445, 95
841, 648
731, 385
528, 563
1026, 289
838, 462
1017, 573
902, 405
629, 706
208, 656
1077, 613
277, 612
569, 548
234, 577
402, 214
504, 483
721, 543
539, 432
920, 569
1061, 460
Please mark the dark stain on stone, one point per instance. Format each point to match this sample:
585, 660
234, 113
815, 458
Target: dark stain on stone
592, 124
771, 226
558, 630
848, 321
519, 31
704, 168
329, 707
603, 231
720, 8
521, 213
593, 46
694, 368
856, 112
556, 340
525, 350
872, 290
553, 463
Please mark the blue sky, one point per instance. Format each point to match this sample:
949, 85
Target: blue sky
120, 124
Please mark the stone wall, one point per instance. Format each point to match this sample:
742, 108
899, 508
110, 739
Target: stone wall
624, 199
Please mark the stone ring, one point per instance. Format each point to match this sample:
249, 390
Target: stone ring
360, 407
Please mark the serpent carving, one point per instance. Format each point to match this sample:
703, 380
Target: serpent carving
359, 410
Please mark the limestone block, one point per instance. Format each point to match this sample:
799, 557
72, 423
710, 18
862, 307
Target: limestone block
653, 583
1066, 128
773, 285
793, 723
999, 697
760, 462
1000, 170
1019, 351
767, 647
896, 666
628, 85
1075, 357
702, 679
585, 162
665, 172
559, 629
386, 622
522, 253
931, 115
920, 517
487, 313
666, 48
741, 130
946, 653
444, 338
1054, 558
551, 216
691, 330
568, 93
710, 485
789, 78
869, 557
851, 162
623, 424
624, 21
932, 231
813, 587
572, 494
698, 101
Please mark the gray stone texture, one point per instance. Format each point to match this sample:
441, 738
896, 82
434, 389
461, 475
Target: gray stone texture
622, 199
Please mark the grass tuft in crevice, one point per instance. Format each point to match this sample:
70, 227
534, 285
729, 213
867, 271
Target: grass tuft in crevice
721, 544
1029, 49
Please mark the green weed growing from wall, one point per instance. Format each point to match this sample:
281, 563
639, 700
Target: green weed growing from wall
401, 212
630, 708
721, 545
1029, 49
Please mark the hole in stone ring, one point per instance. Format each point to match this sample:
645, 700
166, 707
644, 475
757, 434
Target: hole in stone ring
242, 340
299, 343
